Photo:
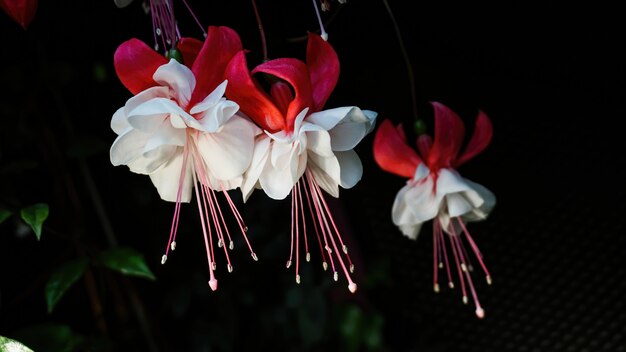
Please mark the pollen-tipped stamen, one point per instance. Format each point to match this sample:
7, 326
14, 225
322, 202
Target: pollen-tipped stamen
171, 242
323, 209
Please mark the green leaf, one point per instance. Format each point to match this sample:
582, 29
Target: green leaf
50, 338
127, 261
62, 279
4, 215
8, 345
34, 216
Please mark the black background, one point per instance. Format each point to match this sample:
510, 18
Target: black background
551, 78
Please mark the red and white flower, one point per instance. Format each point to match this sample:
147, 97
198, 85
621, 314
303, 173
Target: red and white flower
304, 149
180, 130
436, 191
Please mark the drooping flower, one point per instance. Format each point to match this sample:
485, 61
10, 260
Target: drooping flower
21, 11
180, 130
436, 191
304, 149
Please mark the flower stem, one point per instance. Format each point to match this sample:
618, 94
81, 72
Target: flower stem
261, 31
406, 58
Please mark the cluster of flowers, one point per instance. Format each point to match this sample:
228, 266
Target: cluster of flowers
201, 122
206, 125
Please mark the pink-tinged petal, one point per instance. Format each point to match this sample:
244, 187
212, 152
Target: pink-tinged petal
189, 48
449, 133
296, 74
323, 65
221, 44
392, 153
21, 11
135, 63
483, 131
252, 100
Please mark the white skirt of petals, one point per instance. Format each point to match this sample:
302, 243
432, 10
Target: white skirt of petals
322, 143
453, 196
154, 131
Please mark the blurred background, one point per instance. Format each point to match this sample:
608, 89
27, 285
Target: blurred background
552, 84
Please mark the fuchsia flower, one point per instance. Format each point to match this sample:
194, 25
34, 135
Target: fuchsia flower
436, 191
304, 149
21, 11
180, 130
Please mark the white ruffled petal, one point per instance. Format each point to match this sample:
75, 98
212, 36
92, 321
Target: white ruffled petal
179, 78
128, 147
278, 182
482, 199
165, 108
416, 203
213, 98
260, 157
317, 139
449, 181
166, 135
119, 122
457, 204
216, 116
227, 153
327, 119
167, 179
326, 173
150, 161
282, 154
350, 167
351, 129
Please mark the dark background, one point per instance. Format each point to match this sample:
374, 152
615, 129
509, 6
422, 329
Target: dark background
551, 78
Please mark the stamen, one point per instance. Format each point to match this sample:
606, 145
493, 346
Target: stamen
323, 33
173, 245
326, 215
163, 259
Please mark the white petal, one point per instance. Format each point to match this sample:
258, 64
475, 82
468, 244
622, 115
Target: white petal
487, 202
260, 157
351, 130
421, 172
317, 140
140, 117
457, 204
416, 203
326, 181
165, 135
144, 96
327, 119
411, 231
227, 153
179, 78
215, 117
449, 181
213, 98
127, 147
119, 122
282, 154
278, 182
299, 118
350, 167
167, 180
150, 161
